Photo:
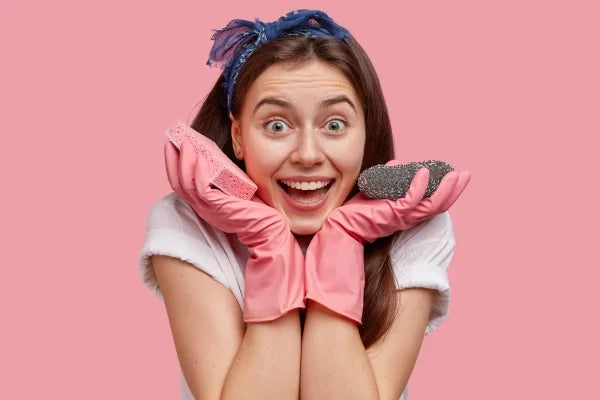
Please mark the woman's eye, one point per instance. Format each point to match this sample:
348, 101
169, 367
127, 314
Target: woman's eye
277, 125
335, 124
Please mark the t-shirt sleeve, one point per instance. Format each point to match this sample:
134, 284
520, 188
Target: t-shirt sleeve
421, 257
173, 231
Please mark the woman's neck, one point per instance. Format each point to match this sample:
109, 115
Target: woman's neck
303, 241
304, 238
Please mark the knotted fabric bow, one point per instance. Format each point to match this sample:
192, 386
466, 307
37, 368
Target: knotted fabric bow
234, 43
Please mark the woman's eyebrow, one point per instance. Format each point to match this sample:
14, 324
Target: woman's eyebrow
274, 101
339, 99
286, 104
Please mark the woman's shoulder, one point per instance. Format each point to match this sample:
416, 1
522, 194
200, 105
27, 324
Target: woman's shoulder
174, 214
172, 220
170, 211
174, 229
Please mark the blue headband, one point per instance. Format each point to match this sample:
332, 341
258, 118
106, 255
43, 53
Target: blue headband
234, 43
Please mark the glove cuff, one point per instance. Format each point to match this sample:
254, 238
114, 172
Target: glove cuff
274, 280
334, 272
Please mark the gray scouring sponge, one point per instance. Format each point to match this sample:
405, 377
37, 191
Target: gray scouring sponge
392, 181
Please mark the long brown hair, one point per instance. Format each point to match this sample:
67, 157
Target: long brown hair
380, 301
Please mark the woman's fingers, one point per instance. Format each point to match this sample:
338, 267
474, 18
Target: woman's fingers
449, 190
203, 187
393, 162
442, 193
417, 189
463, 180
432, 206
187, 163
172, 166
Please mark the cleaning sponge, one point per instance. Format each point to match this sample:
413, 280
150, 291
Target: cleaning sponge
224, 174
393, 181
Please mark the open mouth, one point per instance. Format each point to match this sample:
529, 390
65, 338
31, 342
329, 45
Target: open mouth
306, 196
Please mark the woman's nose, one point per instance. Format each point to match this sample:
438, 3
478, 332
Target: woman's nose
307, 149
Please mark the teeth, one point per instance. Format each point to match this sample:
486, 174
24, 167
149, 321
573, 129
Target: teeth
306, 185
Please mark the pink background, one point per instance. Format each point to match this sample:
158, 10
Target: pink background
509, 90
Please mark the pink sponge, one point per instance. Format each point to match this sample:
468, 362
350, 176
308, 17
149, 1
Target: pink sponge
224, 174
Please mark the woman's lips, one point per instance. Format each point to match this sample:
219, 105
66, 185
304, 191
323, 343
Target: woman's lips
305, 206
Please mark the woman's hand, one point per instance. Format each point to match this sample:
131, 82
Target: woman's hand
274, 277
369, 219
334, 268
187, 174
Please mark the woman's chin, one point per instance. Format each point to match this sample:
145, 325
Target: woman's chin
304, 231
305, 227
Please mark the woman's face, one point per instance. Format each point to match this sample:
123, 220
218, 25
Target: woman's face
298, 125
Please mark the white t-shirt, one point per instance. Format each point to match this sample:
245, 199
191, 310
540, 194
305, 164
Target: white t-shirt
420, 256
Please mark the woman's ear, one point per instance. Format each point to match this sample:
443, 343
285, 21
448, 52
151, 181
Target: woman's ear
236, 137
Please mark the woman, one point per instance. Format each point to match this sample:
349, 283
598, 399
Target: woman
298, 101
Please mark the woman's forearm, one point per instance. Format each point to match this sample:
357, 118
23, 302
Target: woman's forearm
334, 362
267, 364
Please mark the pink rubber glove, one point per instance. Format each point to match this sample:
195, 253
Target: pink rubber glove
334, 266
274, 277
